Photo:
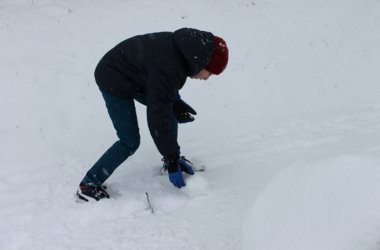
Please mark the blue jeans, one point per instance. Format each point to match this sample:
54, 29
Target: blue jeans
122, 112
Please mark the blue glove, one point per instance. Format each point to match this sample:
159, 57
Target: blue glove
176, 178
183, 112
186, 165
175, 166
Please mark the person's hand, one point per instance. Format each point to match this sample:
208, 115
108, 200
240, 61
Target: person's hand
186, 165
175, 165
183, 112
176, 178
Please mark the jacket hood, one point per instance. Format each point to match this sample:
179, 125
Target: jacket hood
196, 48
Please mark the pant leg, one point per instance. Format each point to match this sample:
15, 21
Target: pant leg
123, 115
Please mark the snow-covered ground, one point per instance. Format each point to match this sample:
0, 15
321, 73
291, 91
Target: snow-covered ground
290, 133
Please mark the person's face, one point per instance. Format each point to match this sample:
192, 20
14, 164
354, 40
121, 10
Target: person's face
202, 75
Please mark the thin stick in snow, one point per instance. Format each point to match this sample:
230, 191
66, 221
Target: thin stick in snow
149, 204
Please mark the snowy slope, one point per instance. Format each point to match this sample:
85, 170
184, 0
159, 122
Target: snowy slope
289, 133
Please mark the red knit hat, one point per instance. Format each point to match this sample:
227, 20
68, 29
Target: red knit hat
219, 58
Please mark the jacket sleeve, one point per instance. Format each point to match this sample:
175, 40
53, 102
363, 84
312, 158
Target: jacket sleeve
162, 90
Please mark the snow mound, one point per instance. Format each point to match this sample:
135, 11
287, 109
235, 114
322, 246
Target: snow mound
196, 185
328, 204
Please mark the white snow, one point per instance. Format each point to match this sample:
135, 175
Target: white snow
289, 133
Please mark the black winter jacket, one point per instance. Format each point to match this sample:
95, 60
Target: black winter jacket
156, 65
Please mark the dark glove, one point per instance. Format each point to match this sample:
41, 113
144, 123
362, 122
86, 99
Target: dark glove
186, 165
175, 166
182, 111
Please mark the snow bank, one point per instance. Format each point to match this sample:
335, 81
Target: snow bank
328, 204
